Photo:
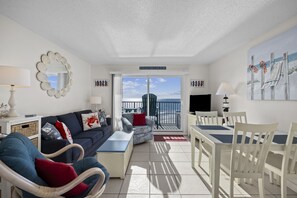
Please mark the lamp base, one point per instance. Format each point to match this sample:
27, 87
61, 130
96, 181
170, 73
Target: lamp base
11, 102
12, 113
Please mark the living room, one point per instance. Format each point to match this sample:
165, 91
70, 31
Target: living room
25, 37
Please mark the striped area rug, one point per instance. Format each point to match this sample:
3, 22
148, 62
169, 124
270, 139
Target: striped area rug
170, 138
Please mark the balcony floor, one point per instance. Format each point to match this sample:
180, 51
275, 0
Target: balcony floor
166, 127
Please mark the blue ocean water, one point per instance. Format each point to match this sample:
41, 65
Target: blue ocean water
165, 105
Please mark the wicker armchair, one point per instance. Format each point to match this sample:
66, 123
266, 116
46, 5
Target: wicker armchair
25, 183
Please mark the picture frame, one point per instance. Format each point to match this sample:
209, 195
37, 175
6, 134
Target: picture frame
272, 68
197, 83
101, 83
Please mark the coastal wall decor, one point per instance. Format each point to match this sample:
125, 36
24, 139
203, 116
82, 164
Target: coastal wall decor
54, 74
197, 83
101, 83
272, 68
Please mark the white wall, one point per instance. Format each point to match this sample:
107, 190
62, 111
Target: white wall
102, 72
22, 48
232, 68
189, 72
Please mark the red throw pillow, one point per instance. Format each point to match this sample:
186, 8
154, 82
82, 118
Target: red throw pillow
139, 119
64, 131
57, 174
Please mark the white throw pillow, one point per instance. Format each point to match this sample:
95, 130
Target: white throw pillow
90, 121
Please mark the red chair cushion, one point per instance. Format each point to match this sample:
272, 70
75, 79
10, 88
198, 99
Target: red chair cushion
139, 119
64, 131
57, 174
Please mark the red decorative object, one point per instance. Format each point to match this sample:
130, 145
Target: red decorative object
64, 131
57, 174
92, 120
139, 119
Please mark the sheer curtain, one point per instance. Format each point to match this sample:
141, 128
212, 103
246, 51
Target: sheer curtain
117, 101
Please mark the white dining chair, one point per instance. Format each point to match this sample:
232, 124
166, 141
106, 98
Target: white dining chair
284, 166
206, 118
231, 117
250, 146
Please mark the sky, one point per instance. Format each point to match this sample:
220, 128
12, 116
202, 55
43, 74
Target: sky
135, 87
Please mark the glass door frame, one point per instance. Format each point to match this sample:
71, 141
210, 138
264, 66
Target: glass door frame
182, 98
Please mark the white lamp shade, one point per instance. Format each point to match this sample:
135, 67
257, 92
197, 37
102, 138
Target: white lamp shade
16, 76
95, 100
225, 89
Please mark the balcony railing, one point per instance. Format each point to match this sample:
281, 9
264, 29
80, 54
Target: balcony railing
168, 112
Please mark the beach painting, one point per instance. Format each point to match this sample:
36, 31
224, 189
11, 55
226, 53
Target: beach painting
272, 68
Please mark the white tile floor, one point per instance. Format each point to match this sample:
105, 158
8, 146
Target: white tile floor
163, 169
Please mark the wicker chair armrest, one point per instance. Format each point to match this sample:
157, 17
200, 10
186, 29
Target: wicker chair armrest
43, 191
64, 149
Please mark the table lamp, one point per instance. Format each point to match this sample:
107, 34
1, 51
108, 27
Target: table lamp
224, 90
14, 77
96, 100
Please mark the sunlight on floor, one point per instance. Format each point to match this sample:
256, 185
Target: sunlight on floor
163, 169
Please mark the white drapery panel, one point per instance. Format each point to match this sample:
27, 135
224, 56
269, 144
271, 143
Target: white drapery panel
117, 102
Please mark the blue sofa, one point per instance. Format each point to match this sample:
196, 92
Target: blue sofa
90, 140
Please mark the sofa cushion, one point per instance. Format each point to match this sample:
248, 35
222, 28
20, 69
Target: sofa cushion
78, 116
71, 122
102, 118
50, 119
129, 116
90, 121
142, 129
93, 135
86, 143
58, 174
49, 132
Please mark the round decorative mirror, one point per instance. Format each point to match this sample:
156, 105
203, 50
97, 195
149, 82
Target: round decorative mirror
54, 74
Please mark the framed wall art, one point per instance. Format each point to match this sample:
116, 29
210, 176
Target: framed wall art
197, 83
272, 68
101, 82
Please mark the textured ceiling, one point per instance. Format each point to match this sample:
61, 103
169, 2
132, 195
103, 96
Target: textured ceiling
122, 32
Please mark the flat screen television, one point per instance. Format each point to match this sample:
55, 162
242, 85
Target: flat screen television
200, 102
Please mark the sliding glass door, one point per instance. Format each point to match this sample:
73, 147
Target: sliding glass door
157, 97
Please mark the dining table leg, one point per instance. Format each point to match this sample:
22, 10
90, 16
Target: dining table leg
193, 150
216, 160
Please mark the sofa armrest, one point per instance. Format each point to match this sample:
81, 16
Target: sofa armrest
149, 122
51, 146
127, 126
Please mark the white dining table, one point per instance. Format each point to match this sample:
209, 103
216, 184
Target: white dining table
220, 139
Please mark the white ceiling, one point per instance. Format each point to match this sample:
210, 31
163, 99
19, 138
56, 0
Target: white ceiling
144, 32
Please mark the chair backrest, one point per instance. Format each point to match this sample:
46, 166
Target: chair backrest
19, 154
207, 117
152, 104
232, 117
250, 148
290, 156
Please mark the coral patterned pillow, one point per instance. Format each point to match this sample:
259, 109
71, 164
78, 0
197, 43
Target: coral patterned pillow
57, 174
90, 121
64, 131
